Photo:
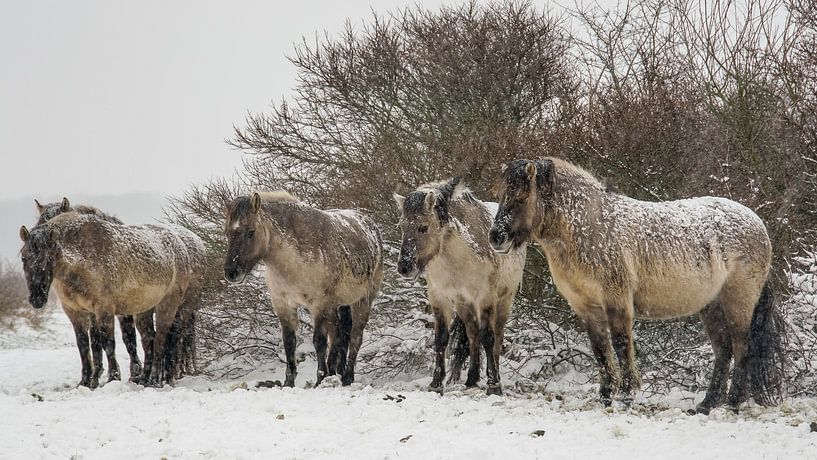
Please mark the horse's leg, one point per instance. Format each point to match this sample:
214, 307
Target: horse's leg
82, 325
488, 338
105, 326
163, 343
126, 324
440, 344
500, 318
620, 317
715, 327
189, 347
96, 348
177, 335
738, 305
594, 320
459, 339
340, 345
288, 318
360, 316
319, 341
468, 316
144, 324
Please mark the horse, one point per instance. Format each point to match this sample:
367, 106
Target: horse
328, 261
185, 364
445, 235
615, 258
100, 269
47, 212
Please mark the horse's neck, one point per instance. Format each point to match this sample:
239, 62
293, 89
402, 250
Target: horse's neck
569, 218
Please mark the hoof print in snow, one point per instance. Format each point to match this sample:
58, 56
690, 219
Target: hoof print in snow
813, 427
269, 384
279, 417
398, 399
39, 398
403, 440
537, 434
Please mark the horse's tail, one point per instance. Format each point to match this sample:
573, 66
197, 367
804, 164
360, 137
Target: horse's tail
765, 359
458, 341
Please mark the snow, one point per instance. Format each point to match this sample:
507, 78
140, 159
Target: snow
44, 416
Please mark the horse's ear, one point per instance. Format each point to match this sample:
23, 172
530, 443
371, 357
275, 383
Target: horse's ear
545, 175
255, 200
399, 199
39, 206
66, 205
24, 233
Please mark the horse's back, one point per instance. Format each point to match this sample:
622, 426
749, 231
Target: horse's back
129, 267
687, 250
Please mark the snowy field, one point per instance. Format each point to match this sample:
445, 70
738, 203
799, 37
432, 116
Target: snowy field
43, 415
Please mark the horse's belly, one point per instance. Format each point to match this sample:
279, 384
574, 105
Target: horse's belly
673, 300
138, 299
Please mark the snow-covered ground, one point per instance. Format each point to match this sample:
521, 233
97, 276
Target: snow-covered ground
42, 415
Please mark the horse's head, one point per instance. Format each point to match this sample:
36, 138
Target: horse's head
51, 210
424, 215
245, 237
520, 187
39, 254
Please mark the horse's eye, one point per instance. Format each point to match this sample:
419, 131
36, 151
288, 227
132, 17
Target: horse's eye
422, 229
25, 259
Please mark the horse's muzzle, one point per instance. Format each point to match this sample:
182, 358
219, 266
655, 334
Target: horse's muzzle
38, 300
408, 270
500, 242
234, 275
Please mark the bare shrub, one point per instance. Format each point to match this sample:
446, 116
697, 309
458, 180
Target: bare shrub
664, 99
14, 304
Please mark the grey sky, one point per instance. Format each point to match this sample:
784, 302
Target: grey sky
100, 97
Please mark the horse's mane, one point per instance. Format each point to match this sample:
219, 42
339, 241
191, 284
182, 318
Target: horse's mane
277, 195
515, 174
242, 205
52, 210
444, 192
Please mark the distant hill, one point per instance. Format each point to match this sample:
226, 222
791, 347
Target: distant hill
131, 208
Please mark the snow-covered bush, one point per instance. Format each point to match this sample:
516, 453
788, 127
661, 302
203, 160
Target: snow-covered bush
801, 317
14, 305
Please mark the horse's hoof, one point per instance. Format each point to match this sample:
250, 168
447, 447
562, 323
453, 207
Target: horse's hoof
289, 381
114, 376
470, 383
347, 379
435, 389
606, 401
700, 409
495, 389
135, 370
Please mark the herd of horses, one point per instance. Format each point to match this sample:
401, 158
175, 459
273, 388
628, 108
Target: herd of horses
612, 257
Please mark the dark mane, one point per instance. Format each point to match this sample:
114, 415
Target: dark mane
239, 207
443, 192
52, 210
